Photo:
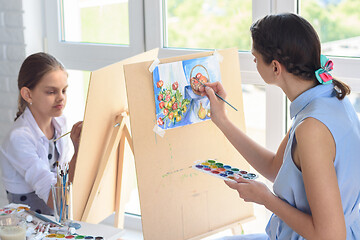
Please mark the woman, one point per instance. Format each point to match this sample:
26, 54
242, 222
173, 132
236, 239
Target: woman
315, 169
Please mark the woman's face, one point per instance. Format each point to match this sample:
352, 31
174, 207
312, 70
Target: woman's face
49, 95
265, 70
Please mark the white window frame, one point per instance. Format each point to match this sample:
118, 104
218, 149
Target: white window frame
88, 56
146, 33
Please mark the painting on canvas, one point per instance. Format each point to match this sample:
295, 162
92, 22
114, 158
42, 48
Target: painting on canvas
176, 90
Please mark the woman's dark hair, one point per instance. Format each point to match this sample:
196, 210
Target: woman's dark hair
32, 70
291, 40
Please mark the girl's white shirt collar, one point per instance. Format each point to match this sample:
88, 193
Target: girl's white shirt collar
56, 121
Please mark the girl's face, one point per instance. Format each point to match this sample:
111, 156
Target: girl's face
49, 95
265, 70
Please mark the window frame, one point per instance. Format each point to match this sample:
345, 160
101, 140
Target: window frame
91, 56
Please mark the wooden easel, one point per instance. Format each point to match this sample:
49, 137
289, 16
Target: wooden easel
117, 141
181, 205
97, 179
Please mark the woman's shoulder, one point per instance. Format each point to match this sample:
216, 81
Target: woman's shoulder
337, 115
310, 127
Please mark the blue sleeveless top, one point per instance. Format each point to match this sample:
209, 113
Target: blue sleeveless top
340, 118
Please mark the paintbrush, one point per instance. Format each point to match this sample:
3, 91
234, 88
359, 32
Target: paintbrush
62, 136
41, 217
219, 96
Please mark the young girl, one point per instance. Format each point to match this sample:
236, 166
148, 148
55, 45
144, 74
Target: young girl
29, 153
315, 170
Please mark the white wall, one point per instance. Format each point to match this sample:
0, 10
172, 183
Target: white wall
12, 53
21, 33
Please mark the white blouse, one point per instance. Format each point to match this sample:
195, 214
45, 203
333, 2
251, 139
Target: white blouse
24, 156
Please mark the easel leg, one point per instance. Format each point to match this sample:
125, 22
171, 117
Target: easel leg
120, 205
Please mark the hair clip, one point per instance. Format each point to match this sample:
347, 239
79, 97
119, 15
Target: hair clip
322, 74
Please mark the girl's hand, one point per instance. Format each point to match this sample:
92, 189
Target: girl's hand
251, 190
217, 106
75, 135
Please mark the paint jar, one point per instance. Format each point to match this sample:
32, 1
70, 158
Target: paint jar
12, 227
62, 200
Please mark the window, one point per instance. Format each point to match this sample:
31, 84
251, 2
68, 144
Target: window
78, 82
336, 22
254, 109
70, 32
86, 21
254, 96
207, 24
355, 100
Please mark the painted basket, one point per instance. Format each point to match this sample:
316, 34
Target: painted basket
195, 81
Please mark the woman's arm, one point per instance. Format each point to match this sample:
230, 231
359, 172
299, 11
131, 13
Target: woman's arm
264, 161
314, 153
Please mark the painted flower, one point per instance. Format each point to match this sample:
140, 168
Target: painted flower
160, 83
160, 121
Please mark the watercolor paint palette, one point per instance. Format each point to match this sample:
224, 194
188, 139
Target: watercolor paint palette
64, 237
7, 211
223, 171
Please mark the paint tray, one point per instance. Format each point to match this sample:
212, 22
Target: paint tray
223, 171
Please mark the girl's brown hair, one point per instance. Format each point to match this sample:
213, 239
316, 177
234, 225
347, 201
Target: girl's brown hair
291, 40
32, 70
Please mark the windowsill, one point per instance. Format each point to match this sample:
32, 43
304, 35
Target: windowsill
132, 227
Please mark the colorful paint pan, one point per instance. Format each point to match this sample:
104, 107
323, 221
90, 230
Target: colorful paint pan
62, 236
231, 177
223, 171
219, 164
51, 236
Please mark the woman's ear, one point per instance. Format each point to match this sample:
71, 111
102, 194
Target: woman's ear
276, 67
26, 94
